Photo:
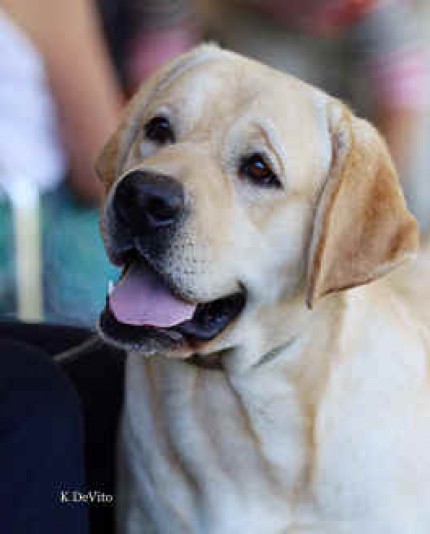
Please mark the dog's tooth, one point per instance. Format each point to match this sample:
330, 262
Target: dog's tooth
111, 287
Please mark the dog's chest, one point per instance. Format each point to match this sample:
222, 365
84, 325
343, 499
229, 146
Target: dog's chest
204, 456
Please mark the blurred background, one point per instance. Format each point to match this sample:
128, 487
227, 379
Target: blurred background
68, 68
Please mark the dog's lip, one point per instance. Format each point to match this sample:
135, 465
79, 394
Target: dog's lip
134, 337
204, 327
209, 320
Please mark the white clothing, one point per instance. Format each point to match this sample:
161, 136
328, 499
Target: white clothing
30, 147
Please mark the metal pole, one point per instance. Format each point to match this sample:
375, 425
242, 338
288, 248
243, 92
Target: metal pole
25, 200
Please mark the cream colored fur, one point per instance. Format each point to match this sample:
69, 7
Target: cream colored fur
319, 422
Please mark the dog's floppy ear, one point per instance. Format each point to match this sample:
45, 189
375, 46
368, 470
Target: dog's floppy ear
109, 162
362, 228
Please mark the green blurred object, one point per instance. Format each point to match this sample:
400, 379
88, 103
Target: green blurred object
75, 267
7, 261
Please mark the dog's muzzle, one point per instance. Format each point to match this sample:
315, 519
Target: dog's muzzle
143, 215
145, 212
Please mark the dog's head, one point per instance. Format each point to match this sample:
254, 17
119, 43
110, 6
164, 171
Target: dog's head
231, 188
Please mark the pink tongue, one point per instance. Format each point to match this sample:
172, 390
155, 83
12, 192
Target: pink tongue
141, 298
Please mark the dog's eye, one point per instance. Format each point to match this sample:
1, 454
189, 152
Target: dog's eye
255, 169
159, 130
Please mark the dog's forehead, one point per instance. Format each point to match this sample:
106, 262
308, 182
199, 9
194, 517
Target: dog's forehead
236, 92
230, 85
226, 99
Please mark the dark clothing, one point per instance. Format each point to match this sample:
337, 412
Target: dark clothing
57, 428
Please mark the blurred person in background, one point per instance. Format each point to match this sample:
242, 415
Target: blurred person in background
367, 52
143, 34
59, 101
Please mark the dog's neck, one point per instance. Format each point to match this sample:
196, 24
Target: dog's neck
215, 361
271, 403
253, 354
190, 421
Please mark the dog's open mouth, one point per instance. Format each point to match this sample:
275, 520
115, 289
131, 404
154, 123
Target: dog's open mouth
142, 309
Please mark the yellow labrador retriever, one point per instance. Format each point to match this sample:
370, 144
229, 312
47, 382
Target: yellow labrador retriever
241, 203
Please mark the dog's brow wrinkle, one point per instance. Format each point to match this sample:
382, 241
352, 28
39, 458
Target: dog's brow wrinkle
276, 148
272, 354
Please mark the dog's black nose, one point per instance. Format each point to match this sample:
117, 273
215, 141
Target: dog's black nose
144, 200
